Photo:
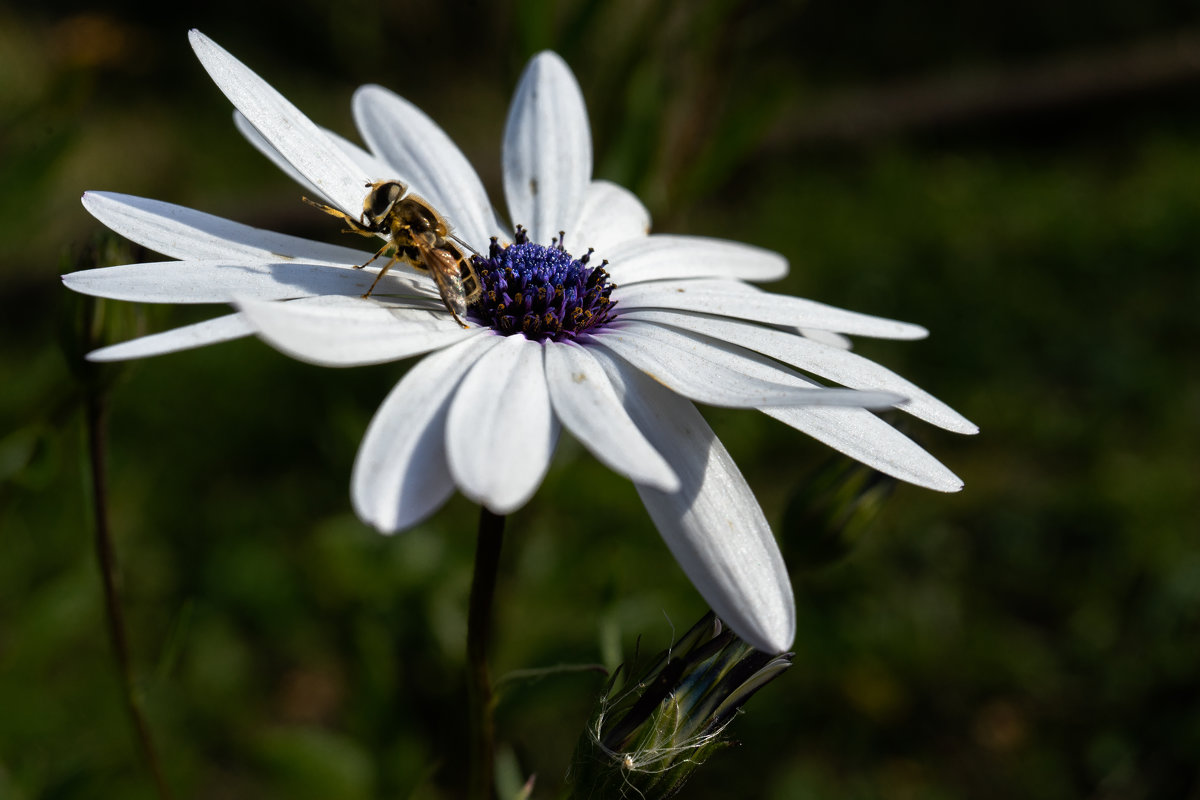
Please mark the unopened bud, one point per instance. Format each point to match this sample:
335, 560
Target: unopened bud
655, 726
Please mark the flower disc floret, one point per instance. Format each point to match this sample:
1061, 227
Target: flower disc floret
542, 292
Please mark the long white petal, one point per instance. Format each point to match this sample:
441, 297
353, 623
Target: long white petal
665, 256
352, 333
222, 281
735, 299
547, 149
501, 430
848, 369
260, 143
375, 167
610, 215
421, 154
295, 136
867, 438
712, 524
587, 404
371, 165
181, 232
719, 374
187, 337
827, 337
400, 474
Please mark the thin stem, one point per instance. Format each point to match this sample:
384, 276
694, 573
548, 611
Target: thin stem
479, 634
117, 632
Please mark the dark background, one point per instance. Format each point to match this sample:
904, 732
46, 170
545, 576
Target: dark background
1022, 178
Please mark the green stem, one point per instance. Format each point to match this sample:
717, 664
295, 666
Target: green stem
105, 554
479, 634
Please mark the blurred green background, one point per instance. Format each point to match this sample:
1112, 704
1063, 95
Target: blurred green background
1021, 178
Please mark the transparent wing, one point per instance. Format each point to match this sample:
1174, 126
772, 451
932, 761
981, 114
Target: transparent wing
445, 267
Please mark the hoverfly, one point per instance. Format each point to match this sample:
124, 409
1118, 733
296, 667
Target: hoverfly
418, 235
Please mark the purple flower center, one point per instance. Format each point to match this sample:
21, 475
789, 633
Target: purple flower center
542, 292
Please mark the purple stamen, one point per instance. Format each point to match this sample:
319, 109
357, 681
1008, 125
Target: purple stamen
543, 292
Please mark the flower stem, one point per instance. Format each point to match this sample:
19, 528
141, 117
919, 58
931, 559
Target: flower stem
93, 383
479, 634
105, 554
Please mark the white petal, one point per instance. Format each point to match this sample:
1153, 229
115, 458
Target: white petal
400, 474
719, 374
260, 143
211, 331
833, 363
866, 438
223, 281
375, 167
610, 215
547, 149
663, 256
295, 136
735, 299
713, 524
587, 404
181, 232
423, 156
501, 430
826, 337
352, 332
370, 165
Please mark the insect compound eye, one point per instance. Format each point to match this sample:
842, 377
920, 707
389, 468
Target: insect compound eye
394, 191
381, 199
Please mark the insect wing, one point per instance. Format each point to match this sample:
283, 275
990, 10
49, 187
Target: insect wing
444, 266
469, 280
472, 288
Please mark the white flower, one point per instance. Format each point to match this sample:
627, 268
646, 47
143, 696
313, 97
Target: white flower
482, 412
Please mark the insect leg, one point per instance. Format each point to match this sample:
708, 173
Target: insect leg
378, 253
401, 254
382, 272
354, 225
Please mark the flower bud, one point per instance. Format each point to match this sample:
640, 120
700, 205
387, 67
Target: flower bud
88, 324
655, 726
